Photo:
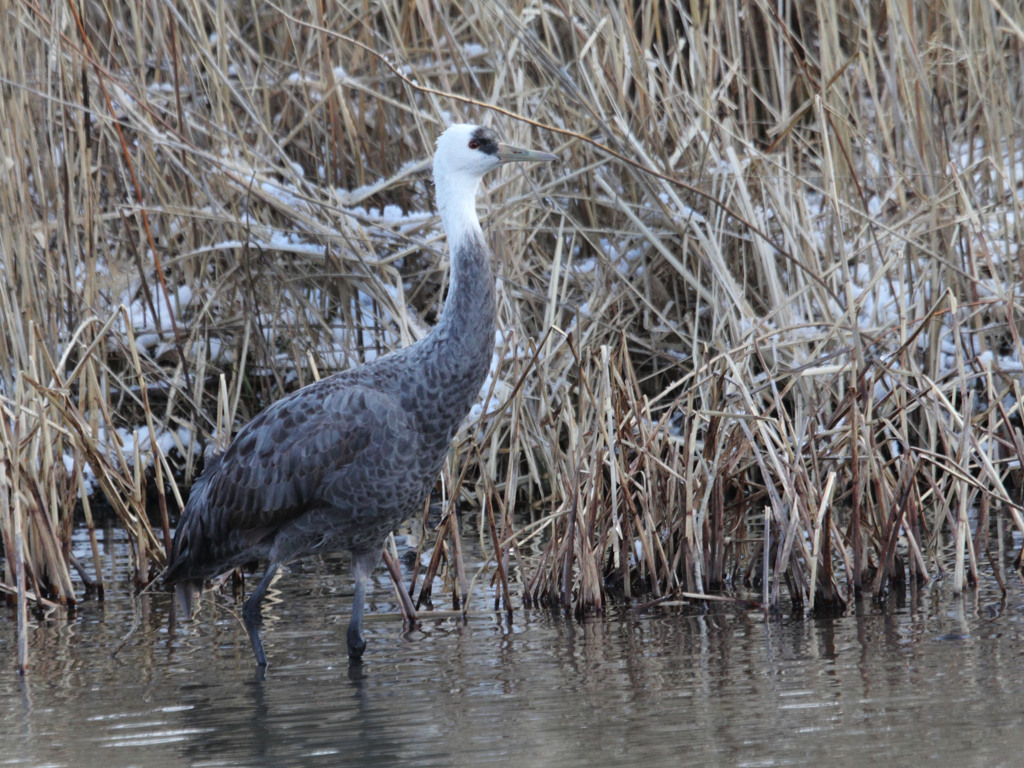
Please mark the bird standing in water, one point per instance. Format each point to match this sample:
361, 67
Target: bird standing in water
341, 462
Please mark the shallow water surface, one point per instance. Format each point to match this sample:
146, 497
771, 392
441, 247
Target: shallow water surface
936, 679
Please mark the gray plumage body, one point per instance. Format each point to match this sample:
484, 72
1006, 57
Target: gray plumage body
339, 463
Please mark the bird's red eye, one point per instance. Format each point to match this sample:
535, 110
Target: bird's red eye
474, 144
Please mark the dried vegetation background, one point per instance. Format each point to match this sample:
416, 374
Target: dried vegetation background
761, 328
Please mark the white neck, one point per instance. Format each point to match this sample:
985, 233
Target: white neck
456, 200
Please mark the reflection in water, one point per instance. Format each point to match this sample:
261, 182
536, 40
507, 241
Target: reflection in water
932, 677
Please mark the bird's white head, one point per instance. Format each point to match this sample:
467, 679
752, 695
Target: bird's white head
464, 154
464, 150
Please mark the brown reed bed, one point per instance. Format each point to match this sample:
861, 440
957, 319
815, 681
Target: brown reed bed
761, 330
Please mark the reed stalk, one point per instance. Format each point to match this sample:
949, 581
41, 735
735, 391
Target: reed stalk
761, 328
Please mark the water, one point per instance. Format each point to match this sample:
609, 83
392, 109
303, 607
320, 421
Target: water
936, 679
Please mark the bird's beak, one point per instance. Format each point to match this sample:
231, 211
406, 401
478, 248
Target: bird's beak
509, 154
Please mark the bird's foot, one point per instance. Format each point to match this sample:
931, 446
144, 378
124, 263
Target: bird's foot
356, 645
355, 653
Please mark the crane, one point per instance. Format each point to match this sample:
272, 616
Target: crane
337, 464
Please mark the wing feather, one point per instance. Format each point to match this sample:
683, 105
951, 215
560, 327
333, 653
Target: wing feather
277, 467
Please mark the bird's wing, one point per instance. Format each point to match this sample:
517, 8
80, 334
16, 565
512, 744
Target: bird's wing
279, 462
277, 467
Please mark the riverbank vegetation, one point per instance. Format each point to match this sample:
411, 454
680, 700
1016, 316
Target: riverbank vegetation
760, 331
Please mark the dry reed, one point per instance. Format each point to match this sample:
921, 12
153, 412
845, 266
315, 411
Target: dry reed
762, 327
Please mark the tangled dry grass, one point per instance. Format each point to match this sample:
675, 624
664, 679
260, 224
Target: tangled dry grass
762, 328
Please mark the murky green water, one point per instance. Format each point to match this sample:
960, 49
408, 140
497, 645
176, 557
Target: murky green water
937, 680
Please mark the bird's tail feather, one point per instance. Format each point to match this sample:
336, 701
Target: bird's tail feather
184, 591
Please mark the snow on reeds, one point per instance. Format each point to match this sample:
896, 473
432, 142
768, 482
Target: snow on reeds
760, 329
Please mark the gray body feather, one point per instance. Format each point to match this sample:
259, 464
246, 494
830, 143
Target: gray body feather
339, 463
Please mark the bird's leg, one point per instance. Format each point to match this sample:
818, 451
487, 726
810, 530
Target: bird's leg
404, 599
253, 618
362, 564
